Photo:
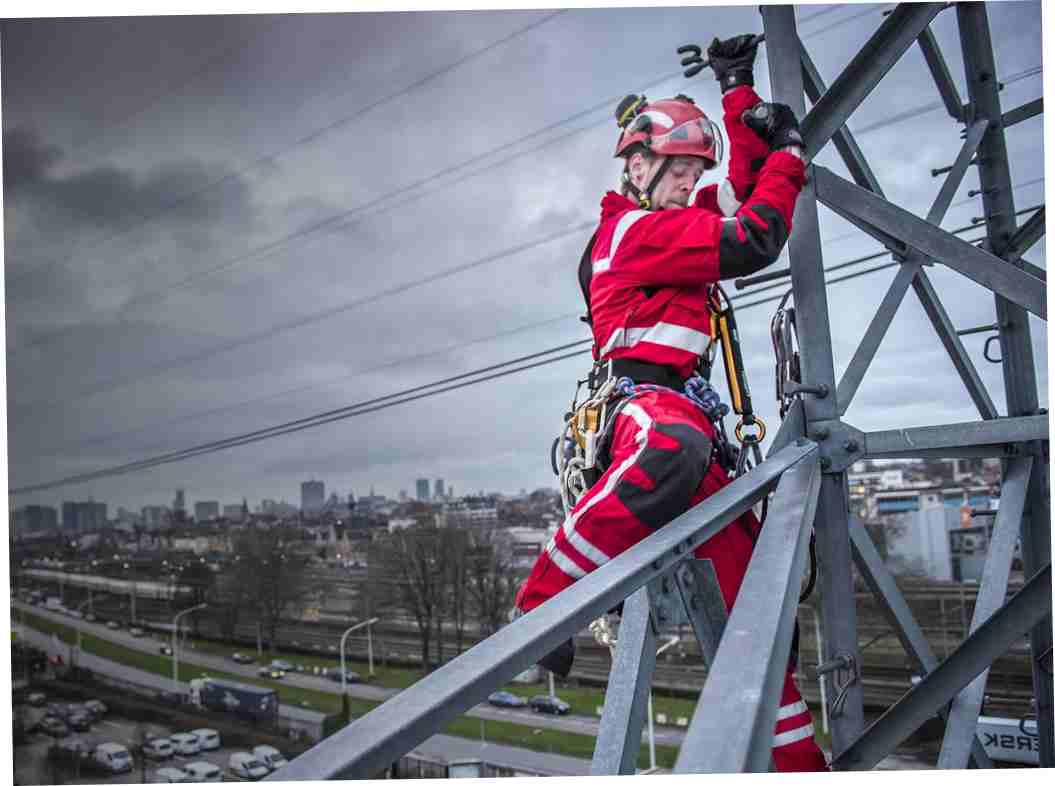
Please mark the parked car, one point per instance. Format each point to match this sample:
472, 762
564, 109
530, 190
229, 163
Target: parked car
505, 699
165, 649
58, 709
80, 721
245, 765
241, 657
137, 632
208, 739
185, 744
37, 699
159, 748
349, 675
202, 772
113, 757
96, 707
272, 758
54, 727
270, 673
550, 705
170, 775
113, 624
90, 617
283, 665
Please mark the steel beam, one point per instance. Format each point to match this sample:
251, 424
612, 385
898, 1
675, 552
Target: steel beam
873, 336
704, 605
372, 742
899, 615
844, 141
878, 55
1024, 112
909, 442
861, 206
838, 612
992, 639
950, 96
793, 427
626, 697
738, 704
1026, 236
928, 298
961, 728
1016, 346
975, 132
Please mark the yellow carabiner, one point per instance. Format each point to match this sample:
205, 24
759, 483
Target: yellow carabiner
761, 435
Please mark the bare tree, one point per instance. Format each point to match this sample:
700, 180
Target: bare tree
407, 562
270, 571
489, 580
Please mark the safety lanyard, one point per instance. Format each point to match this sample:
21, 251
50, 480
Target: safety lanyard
724, 333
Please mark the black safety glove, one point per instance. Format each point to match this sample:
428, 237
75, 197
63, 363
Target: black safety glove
733, 60
776, 124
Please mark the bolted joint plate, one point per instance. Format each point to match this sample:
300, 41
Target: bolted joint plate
841, 445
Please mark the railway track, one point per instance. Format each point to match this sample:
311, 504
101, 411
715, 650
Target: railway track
886, 669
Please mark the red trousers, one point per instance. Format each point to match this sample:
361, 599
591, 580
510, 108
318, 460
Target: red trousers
660, 447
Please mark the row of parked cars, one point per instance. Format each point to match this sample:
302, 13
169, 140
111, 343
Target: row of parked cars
60, 718
541, 703
262, 761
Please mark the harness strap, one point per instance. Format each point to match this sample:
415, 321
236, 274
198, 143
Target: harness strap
585, 274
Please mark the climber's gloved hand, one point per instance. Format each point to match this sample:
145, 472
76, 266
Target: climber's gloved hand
776, 124
733, 60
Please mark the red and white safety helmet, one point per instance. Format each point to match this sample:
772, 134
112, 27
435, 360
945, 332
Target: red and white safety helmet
668, 127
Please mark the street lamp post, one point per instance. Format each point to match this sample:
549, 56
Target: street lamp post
79, 631
175, 642
370, 650
651, 728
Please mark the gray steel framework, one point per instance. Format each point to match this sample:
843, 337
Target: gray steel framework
805, 469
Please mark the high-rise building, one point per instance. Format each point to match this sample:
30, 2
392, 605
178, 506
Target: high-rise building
206, 511
83, 516
422, 488
439, 489
312, 496
154, 516
35, 518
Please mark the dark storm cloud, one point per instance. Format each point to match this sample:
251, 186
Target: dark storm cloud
27, 160
171, 192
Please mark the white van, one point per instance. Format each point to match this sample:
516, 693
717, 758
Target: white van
170, 775
270, 757
185, 744
208, 739
202, 772
113, 757
246, 765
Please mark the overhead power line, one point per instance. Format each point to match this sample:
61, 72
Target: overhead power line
394, 399
312, 318
313, 136
370, 207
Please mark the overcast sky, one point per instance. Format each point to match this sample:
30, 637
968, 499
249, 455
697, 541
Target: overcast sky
211, 223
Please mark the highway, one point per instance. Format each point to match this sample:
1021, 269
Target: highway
578, 724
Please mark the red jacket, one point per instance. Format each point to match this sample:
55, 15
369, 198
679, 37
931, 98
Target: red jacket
651, 269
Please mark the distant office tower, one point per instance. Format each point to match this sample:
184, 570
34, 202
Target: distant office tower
439, 489
422, 486
179, 505
153, 516
233, 512
206, 511
35, 518
312, 496
83, 516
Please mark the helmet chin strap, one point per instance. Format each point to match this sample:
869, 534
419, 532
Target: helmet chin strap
644, 197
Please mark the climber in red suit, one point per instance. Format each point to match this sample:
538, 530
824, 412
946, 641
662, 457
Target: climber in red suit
646, 278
